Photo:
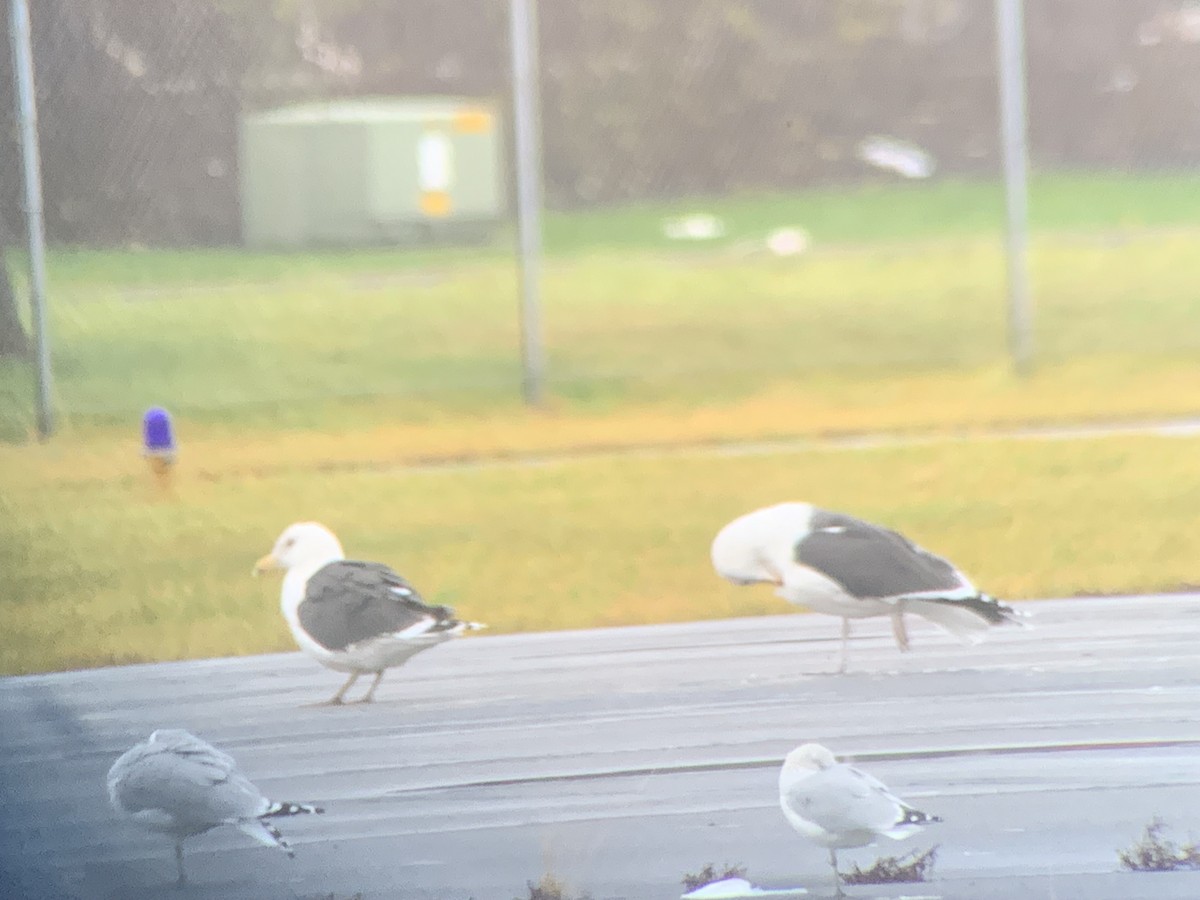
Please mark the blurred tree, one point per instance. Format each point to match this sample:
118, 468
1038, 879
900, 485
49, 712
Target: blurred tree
13, 340
137, 115
641, 99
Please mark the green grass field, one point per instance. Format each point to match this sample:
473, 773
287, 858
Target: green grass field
302, 385
917, 289
105, 572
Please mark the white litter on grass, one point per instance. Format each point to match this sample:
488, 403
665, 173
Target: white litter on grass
736, 889
694, 227
896, 156
788, 241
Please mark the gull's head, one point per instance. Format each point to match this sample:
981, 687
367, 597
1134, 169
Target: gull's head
302, 544
809, 758
739, 552
758, 546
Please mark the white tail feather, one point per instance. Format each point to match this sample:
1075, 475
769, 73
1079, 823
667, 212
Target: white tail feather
264, 834
959, 621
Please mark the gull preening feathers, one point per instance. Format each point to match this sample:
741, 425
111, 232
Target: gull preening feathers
355, 617
838, 806
836, 564
178, 785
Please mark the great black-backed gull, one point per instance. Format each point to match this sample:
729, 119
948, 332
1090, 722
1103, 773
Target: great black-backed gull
842, 566
356, 617
838, 806
178, 785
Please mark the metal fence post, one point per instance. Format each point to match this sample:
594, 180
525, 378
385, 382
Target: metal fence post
22, 54
1010, 33
523, 21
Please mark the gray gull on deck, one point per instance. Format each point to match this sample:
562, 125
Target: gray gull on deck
355, 617
836, 564
838, 806
178, 785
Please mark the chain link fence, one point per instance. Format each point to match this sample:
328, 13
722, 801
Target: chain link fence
721, 176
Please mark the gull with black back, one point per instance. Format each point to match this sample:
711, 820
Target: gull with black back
839, 565
351, 616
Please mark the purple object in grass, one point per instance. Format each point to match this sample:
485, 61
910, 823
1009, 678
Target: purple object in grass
158, 434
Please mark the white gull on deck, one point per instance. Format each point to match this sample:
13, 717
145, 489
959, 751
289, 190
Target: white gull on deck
838, 806
842, 566
178, 785
351, 616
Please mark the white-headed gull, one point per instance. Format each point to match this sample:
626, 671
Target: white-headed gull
356, 617
178, 785
838, 806
836, 564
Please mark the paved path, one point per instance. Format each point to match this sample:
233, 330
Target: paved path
620, 759
1171, 428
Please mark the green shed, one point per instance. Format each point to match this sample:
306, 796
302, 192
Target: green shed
370, 171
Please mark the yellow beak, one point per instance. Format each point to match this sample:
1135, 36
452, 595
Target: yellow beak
265, 564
